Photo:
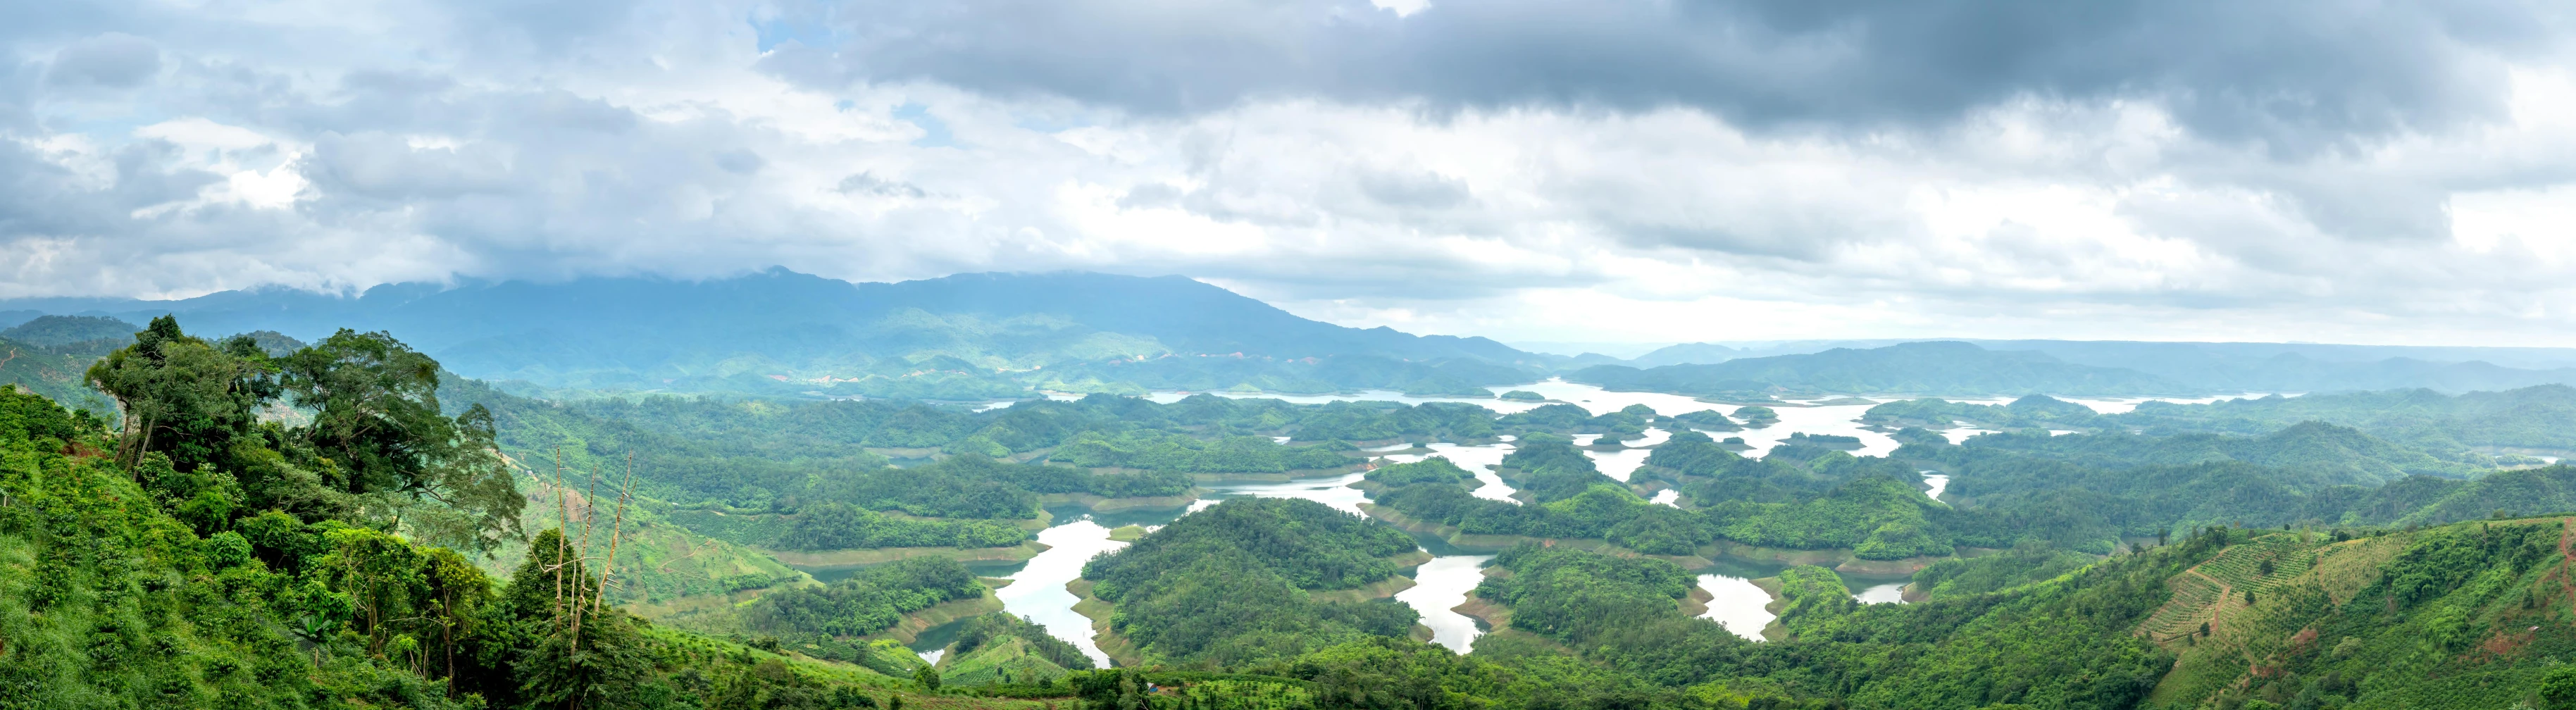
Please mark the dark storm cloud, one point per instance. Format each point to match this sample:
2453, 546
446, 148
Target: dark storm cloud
2281, 72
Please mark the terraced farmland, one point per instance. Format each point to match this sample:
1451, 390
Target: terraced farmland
2195, 600
2240, 566
2200, 592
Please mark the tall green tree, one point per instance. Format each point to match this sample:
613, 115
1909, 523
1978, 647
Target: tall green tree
584, 655
376, 429
183, 396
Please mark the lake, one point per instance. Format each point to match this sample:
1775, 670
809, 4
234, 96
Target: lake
1444, 582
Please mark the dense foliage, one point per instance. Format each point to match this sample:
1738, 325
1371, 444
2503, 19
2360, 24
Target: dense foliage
1000, 648
65, 330
2326, 453
828, 617
2541, 417
2465, 616
1167, 451
1436, 469
1878, 517
838, 526
1230, 584
2030, 411
127, 585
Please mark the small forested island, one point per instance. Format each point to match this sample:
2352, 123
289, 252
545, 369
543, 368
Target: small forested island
251, 521
1757, 416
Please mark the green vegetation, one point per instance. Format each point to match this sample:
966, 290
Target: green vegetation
838, 526
758, 456
195, 556
2324, 453
1879, 518
1571, 419
1000, 648
1522, 396
1571, 596
1229, 585
264, 525
1824, 441
56, 372
1436, 469
1757, 416
2032, 561
2018, 489
1438, 493
830, 621
2031, 411
2470, 615
1547, 468
1708, 420
2447, 426
1167, 451
66, 330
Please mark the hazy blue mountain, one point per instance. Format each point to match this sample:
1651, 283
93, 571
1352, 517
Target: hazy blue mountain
753, 331
2232, 367
1574, 349
1687, 354
2187, 356
1909, 368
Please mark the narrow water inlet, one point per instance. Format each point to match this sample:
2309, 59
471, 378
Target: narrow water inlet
1443, 583
1037, 590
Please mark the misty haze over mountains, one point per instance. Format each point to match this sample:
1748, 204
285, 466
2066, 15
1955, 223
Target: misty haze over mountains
753, 332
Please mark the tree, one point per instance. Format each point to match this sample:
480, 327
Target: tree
377, 429
182, 396
582, 657
2558, 688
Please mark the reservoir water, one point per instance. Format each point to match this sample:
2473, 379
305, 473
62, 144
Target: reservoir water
1038, 590
1443, 583
1623, 463
1889, 593
1737, 605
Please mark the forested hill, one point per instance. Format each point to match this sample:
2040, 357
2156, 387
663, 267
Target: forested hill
1936, 367
2541, 418
744, 333
2231, 367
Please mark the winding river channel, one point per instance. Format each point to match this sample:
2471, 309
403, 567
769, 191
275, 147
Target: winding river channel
1038, 592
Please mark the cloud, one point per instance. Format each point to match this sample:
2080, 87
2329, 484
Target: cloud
1647, 171
2291, 75
113, 60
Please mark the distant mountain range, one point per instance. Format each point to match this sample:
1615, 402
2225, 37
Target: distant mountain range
779, 330
1951, 368
999, 335
2221, 367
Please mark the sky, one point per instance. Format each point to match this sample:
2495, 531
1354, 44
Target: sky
1603, 171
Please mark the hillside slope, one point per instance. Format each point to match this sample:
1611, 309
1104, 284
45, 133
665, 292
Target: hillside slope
2470, 615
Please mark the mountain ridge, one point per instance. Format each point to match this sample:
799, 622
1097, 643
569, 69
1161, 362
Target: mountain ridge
632, 331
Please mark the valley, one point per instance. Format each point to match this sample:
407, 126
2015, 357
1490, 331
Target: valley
1569, 541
